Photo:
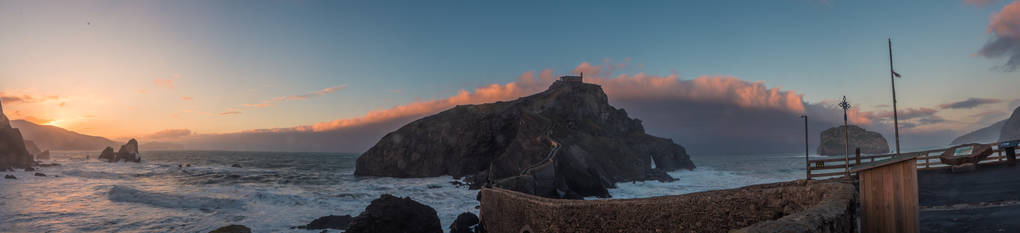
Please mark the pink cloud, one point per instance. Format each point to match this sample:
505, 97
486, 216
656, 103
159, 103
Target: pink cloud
1005, 42
273, 101
714, 89
186, 98
167, 83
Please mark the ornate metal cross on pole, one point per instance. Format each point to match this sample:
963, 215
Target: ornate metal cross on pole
846, 134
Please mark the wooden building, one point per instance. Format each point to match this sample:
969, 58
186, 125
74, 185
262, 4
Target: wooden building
888, 194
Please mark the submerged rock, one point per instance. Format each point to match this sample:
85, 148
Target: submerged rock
39, 174
232, 229
833, 141
328, 222
393, 214
585, 145
465, 223
10, 177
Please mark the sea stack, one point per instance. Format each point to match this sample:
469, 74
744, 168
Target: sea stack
128, 153
566, 141
13, 153
833, 141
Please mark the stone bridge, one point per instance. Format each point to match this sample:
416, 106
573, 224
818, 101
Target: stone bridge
798, 206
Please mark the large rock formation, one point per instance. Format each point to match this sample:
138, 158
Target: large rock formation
1011, 129
566, 141
393, 214
988, 134
13, 153
833, 141
128, 153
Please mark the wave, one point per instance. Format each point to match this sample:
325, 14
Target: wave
131, 195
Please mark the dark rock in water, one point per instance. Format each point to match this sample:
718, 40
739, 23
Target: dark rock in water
13, 153
39, 174
187, 165
10, 177
235, 165
1011, 129
128, 152
660, 175
464, 223
393, 214
108, 155
833, 141
232, 229
29, 169
588, 144
328, 222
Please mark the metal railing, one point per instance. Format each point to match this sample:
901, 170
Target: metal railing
836, 167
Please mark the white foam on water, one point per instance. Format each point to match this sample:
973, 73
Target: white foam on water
157, 196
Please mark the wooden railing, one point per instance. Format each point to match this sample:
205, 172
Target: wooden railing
929, 159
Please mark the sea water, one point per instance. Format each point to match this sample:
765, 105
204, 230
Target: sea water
275, 191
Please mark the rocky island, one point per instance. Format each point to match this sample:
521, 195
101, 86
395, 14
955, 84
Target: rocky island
834, 143
564, 142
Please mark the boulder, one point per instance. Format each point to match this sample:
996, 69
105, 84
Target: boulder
328, 222
393, 214
40, 174
232, 229
13, 153
465, 223
833, 141
590, 144
1011, 129
108, 155
10, 177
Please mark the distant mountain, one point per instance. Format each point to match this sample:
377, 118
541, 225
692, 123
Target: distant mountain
988, 134
56, 138
1011, 129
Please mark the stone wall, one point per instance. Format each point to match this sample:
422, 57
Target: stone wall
798, 206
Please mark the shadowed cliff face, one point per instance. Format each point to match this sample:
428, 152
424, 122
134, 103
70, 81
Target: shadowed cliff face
13, 153
595, 144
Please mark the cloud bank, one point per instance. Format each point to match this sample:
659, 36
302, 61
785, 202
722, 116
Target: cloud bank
969, 103
707, 114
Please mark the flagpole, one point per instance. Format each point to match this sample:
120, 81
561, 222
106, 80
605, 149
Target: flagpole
892, 79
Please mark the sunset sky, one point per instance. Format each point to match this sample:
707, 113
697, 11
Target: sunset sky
131, 68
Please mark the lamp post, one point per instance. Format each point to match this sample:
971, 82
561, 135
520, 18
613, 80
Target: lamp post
846, 134
896, 123
806, 150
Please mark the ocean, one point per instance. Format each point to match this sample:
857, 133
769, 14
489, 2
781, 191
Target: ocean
274, 191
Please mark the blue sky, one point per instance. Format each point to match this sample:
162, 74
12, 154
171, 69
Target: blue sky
388, 53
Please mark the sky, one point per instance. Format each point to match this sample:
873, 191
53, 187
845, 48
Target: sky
123, 69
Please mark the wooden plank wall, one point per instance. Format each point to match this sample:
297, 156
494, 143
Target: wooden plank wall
889, 198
